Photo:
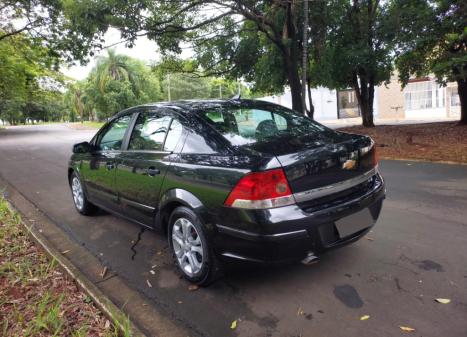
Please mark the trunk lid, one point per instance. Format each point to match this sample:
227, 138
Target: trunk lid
320, 160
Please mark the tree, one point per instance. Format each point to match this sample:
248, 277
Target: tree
220, 33
74, 100
115, 83
29, 82
357, 50
433, 40
47, 22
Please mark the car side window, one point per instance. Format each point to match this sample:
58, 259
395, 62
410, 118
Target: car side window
112, 138
149, 132
173, 136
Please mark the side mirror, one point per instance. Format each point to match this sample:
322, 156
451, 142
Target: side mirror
83, 147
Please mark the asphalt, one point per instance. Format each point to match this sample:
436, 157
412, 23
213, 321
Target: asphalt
417, 252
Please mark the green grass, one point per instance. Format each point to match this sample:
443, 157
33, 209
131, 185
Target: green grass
96, 125
36, 299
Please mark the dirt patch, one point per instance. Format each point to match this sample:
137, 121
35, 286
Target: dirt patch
446, 141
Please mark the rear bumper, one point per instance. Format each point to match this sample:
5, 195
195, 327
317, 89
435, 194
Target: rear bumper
290, 233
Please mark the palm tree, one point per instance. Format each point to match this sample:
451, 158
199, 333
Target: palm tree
73, 99
116, 67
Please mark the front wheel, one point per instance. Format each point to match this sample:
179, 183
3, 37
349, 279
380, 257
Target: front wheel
190, 247
79, 198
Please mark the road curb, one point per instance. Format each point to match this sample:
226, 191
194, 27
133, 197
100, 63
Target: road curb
422, 160
109, 309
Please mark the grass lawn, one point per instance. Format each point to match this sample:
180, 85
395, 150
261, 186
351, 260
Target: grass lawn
36, 298
445, 141
87, 125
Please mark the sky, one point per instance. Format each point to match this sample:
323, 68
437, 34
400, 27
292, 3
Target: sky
143, 49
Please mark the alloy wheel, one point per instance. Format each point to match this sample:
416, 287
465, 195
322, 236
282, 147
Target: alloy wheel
187, 246
78, 195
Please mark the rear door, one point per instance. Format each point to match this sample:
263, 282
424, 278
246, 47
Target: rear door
142, 166
98, 170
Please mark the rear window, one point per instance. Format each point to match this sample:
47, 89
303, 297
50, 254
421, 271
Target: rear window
250, 125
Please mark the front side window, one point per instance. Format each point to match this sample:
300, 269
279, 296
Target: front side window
250, 125
112, 138
149, 132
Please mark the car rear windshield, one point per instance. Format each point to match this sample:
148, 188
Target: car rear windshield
247, 125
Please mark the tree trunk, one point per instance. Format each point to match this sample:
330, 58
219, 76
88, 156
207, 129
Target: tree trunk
304, 55
462, 91
290, 55
371, 98
291, 66
365, 93
311, 112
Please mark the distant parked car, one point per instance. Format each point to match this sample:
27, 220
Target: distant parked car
230, 179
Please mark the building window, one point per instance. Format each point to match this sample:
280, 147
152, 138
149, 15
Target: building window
418, 95
347, 104
455, 101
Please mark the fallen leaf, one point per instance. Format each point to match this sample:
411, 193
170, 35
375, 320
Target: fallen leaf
149, 284
300, 312
66, 251
370, 239
103, 272
364, 317
107, 324
233, 325
443, 300
407, 329
152, 272
193, 287
179, 302
152, 267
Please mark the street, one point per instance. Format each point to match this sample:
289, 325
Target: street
416, 252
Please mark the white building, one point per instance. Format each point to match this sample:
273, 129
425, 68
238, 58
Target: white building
422, 98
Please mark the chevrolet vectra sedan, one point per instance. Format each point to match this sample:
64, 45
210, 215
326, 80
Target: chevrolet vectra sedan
230, 179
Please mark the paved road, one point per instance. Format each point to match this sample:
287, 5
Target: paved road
417, 252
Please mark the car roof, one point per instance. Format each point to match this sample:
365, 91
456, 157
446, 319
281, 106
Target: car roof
190, 106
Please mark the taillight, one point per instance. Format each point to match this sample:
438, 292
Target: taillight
259, 190
374, 157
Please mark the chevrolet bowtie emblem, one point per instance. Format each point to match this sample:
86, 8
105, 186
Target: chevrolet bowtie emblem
349, 164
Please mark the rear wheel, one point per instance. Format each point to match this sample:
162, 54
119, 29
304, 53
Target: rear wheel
79, 198
190, 247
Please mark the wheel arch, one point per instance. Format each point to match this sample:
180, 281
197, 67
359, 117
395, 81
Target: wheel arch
70, 172
177, 197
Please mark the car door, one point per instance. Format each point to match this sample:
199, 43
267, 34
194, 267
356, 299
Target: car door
98, 171
142, 166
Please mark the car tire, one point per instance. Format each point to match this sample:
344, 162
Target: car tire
80, 200
191, 249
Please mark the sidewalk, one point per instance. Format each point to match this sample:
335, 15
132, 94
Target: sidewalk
346, 122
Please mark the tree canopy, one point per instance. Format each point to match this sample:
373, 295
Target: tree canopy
29, 83
432, 39
347, 44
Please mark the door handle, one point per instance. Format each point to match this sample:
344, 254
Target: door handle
109, 165
152, 171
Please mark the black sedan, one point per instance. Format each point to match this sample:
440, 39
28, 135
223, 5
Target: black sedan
234, 179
